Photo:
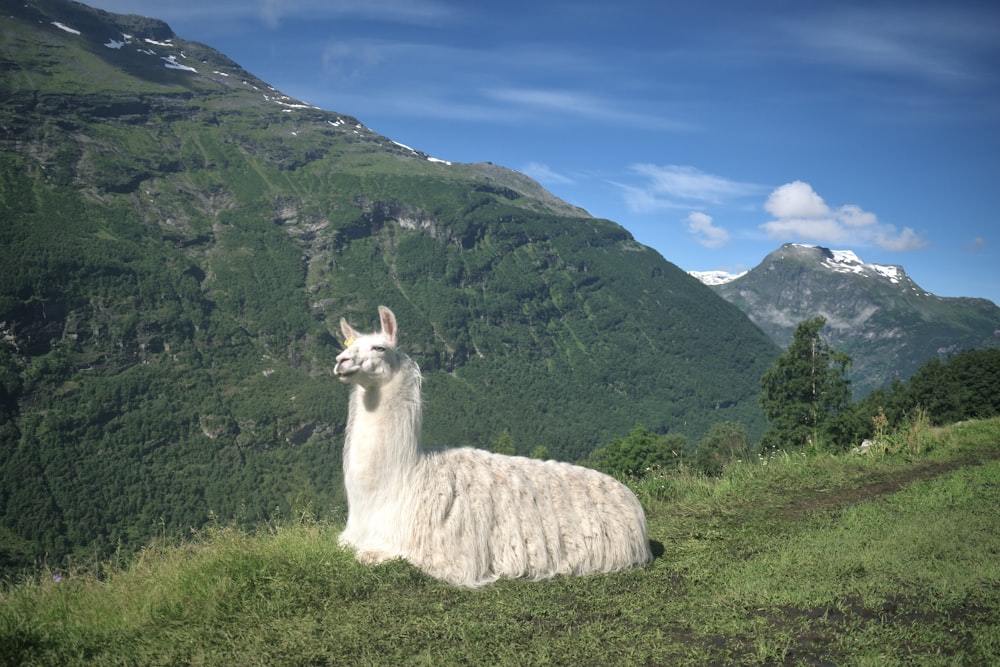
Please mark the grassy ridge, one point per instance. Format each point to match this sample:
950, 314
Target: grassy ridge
793, 559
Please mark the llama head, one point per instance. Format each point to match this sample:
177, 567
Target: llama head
369, 359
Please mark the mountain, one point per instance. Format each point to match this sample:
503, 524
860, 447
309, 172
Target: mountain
713, 278
875, 313
178, 241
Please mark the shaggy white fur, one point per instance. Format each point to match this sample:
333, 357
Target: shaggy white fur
467, 516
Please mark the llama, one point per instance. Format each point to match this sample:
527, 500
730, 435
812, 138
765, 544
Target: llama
466, 516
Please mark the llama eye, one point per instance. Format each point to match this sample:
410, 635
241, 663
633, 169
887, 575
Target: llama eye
378, 348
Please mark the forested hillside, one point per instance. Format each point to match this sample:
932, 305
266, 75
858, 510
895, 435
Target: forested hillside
178, 241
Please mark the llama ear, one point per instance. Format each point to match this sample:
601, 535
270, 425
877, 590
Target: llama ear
388, 323
350, 333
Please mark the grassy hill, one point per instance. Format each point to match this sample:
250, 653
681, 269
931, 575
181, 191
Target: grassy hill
880, 559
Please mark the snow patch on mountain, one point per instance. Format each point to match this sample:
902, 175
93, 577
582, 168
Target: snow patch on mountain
63, 26
420, 154
171, 63
846, 261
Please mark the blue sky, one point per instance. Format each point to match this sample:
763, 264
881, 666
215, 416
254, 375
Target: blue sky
714, 131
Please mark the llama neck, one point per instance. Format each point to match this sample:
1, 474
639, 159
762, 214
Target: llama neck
383, 429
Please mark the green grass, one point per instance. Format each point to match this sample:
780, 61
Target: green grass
823, 560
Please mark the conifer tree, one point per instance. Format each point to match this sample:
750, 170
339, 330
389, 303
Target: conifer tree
805, 390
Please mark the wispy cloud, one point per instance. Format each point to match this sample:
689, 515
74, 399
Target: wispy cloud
554, 104
677, 186
643, 200
545, 174
274, 12
802, 215
430, 103
394, 11
456, 101
348, 62
941, 43
976, 245
183, 10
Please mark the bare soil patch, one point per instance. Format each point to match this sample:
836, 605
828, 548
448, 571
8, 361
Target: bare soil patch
812, 501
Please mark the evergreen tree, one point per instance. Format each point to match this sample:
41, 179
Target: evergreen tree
965, 386
541, 452
504, 443
805, 390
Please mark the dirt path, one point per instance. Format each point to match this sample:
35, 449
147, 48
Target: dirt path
881, 484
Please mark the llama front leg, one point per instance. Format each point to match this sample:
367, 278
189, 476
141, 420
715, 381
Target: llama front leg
365, 555
369, 546
372, 557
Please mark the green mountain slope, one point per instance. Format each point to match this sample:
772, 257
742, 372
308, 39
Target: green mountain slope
178, 242
877, 314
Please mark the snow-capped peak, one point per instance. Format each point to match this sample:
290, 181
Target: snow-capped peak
715, 277
840, 261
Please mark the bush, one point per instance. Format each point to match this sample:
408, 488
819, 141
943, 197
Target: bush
723, 444
638, 454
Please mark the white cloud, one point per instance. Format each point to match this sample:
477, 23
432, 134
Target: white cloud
796, 200
802, 215
855, 216
818, 230
888, 238
701, 226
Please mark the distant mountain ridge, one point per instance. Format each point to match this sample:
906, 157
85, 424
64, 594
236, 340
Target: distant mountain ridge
842, 261
719, 277
876, 313
178, 241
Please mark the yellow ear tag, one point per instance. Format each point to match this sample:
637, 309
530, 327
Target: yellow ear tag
348, 343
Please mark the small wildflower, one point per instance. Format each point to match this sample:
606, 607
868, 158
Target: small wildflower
57, 577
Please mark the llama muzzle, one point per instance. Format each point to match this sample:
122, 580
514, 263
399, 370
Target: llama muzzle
345, 368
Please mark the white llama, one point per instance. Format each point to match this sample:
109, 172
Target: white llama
467, 516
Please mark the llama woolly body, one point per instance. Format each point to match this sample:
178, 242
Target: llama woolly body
467, 516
